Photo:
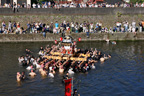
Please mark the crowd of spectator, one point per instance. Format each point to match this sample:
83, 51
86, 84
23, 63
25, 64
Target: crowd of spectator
73, 5
74, 27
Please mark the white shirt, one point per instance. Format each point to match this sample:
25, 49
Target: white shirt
51, 75
91, 26
72, 25
133, 24
49, 3
34, 5
10, 24
38, 6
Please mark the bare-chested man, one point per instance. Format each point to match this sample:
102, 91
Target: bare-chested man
18, 76
44, 72
32, 74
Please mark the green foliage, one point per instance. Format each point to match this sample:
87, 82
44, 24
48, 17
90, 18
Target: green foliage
34, 1
44, 1
134, 1
140, 15
119, 14
39, 1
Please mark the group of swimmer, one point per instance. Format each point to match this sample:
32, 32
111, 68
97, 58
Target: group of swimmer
20, 76
48, 67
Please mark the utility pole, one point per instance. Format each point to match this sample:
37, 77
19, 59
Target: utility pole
15, 1
28, 2
11, 2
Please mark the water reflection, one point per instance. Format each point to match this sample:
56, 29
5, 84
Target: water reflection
19, 84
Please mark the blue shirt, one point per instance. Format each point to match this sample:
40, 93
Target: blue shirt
56, 24
28, 25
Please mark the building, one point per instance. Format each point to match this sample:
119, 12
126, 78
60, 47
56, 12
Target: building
17, 1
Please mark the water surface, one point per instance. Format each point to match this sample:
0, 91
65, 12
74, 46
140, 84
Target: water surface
122, 75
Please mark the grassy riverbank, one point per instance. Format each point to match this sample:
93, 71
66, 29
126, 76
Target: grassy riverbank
107, 20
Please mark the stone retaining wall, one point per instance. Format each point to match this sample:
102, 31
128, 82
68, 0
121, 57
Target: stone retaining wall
52, 37
73, 11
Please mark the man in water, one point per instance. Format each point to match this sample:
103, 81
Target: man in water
18, 76
75, 93
44, 72
32, 74
28, 51
23, 76
51, 74
66, 76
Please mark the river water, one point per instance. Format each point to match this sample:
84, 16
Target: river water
122, 75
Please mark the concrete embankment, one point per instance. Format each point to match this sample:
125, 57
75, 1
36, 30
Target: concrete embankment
73, 11
52, 37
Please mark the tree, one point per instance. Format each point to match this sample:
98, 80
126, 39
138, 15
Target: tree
44, 0
39, 1
34, 1
134, 1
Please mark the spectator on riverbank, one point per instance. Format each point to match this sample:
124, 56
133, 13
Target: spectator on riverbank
23, 5
3, 25
118, 24
125, 24
140, 26
45, 5
18, 26
28, 7
14, 25
33, 5
74, 5
10, 27
15, 7
29, 27
1, 30
74, 27
38, 5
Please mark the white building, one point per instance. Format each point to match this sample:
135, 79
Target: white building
2, 2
